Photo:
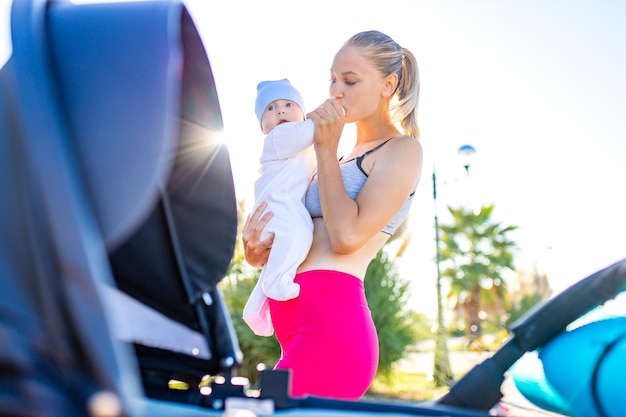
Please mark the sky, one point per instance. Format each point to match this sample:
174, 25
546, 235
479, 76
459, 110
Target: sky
537, 87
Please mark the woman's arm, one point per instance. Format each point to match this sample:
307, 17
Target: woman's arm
329, 121
393, 174
392, 177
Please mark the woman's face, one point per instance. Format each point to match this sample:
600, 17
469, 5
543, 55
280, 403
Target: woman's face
355, 83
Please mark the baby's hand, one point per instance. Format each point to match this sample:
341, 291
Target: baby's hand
329, 119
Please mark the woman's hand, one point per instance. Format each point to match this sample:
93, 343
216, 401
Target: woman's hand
329, 119
256, 251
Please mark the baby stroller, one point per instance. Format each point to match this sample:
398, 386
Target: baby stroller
119, 219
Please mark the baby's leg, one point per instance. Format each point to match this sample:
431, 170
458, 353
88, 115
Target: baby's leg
289, 249
256, 312
278, 274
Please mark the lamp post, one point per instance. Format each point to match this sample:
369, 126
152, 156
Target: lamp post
442, 373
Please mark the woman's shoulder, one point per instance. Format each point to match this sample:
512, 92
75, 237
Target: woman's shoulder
401, 155
405, 144
406, 139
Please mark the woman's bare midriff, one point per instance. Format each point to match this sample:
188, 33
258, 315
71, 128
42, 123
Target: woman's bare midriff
321, 255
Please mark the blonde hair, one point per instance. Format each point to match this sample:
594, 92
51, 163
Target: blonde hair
390, 58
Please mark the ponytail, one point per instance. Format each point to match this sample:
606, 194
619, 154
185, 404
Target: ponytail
407, 95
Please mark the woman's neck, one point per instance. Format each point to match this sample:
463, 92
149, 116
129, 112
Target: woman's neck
371, 132
378, 126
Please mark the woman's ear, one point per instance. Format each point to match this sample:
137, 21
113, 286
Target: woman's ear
390, 84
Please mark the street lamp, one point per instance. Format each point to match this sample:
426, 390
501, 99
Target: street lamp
442, 373
466, 151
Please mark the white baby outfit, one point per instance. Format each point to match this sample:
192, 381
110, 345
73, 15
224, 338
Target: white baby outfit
287, 164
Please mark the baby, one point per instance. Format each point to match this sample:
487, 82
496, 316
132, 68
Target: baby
287, 163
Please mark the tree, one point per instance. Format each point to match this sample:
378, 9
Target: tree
475, 253
387, 296
529, 288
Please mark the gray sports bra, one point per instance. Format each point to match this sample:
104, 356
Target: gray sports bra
353, 180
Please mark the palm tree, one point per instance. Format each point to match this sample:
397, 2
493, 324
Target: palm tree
475, 252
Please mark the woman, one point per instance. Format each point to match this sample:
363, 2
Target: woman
327, 334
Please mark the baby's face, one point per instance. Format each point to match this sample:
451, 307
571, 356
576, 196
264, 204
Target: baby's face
280, 111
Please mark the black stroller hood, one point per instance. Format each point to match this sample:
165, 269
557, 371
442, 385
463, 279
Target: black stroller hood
108, 113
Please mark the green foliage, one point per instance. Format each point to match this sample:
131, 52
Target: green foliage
527, 302
387, 296
422, 326
475, 252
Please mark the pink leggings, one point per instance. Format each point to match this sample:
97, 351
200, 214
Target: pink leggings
327, 336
